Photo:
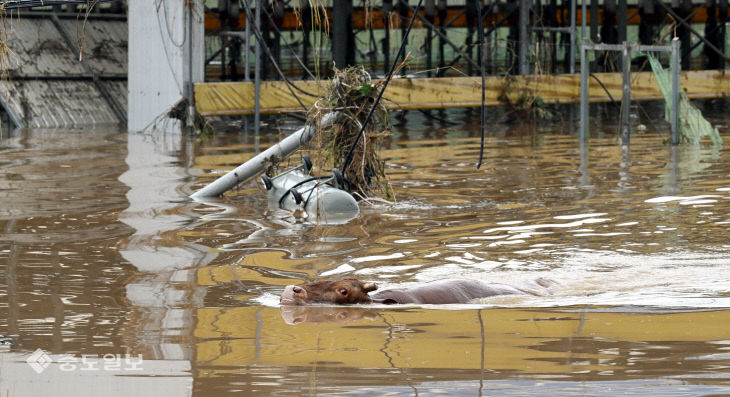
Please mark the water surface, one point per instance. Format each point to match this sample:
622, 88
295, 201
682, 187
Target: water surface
102, 253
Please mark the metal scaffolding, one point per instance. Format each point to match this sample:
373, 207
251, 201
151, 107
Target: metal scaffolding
626, 49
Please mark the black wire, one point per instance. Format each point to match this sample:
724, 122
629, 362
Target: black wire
496, 26
260, 38
311, 192
480, 39
350, 153
613, 101
271, 19
314, 178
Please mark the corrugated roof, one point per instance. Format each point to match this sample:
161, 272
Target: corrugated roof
39, 50
50, 87
103, 44
57, 103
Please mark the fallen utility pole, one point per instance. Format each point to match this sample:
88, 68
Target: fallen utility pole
258, 163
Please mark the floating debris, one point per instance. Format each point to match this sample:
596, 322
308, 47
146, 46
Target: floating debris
352, 94
201, 125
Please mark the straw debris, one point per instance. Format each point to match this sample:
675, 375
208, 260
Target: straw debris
352, 93
179, 111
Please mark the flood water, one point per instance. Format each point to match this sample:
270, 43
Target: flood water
131, 288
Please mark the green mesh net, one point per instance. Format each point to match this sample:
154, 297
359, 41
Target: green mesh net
692, 125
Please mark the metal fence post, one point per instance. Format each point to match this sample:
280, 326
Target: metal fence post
626, 95
257, 73
674, 69
583, 92
626, 49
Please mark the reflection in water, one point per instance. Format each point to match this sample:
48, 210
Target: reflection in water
165, 290
62, 277
57, 192
101, 252
640, 231
426, 350
324, 314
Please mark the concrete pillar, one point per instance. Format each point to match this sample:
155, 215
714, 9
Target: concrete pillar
166, 56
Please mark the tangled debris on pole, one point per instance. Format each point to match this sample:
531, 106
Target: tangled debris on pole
352, 93
181, 110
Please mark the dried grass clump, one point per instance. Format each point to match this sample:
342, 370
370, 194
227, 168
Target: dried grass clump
352, 93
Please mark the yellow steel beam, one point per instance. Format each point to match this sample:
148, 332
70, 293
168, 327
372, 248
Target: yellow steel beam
237, 98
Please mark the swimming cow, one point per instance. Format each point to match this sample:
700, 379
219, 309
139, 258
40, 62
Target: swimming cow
352, 291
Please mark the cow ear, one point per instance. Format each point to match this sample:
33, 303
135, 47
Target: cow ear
369, 287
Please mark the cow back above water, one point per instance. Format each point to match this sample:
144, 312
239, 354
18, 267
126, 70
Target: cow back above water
444, 292
449, 291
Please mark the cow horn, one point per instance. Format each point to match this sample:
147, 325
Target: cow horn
369, 287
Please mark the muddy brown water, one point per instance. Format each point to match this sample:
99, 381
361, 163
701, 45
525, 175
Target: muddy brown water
104, 260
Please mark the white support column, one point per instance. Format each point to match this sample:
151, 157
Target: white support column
166, 55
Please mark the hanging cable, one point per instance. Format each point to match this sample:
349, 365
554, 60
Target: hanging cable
286, 43
289, 191
160, 22
260, 38
480, 52
350, 152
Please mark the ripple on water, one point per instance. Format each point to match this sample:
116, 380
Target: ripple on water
639, 235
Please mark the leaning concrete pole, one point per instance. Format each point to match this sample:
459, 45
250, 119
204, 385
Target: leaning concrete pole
259, 162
